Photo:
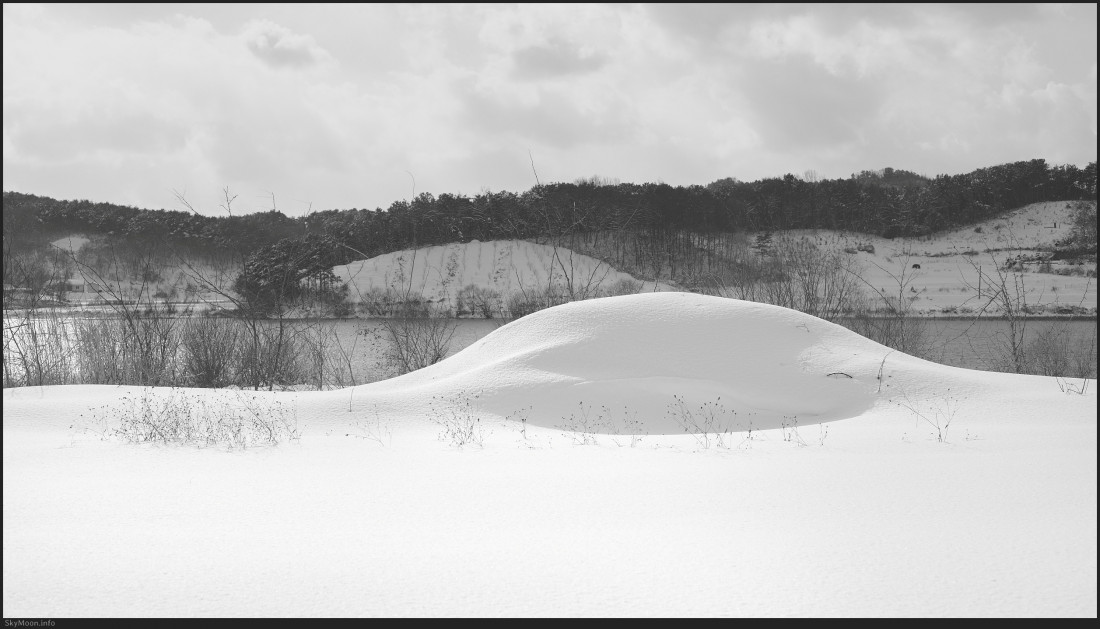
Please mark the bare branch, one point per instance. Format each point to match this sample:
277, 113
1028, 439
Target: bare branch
532, 157
228, 205
182, 199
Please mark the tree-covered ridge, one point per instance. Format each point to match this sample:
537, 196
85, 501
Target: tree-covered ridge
887, 203
33, 218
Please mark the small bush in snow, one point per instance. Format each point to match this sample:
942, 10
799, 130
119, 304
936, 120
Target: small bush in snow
710, 423
460, 425
582, 426
235, 420
937, 413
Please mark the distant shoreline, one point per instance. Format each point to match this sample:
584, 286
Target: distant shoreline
106, 311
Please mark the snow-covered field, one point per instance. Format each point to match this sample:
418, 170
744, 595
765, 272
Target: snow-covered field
940, 272
821, 474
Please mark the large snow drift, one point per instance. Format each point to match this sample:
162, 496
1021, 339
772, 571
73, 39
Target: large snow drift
660, 358
760, 365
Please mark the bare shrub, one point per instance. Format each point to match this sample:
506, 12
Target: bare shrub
460, 424
565, 278
234, 420
520, 305
211, 350
133, 350
796, 274
909, 334
527, 301
624, 286
414, 339
140, 344
937, 413
1003, 292
379, 302
889, 317
329, 361
583, 426
207, 352
37, 349
1054, 352
153, 344
99, 352
1084, 359
479, 301
819, 283
272, 358
789, 429
373, 430
710, 423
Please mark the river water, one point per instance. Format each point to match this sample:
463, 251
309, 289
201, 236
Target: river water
975, 344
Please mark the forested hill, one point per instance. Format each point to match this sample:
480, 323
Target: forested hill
886, 203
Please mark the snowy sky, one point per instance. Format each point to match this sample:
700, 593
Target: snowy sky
358, 106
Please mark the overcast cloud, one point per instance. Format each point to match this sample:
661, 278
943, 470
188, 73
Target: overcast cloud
343, 106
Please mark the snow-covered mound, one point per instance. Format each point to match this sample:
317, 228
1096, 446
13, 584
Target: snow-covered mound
653, 360
506, 266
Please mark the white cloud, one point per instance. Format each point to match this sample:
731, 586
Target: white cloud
279, 47
334, 104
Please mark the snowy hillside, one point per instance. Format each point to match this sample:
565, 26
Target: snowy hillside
937, 273
940, 272
662, 454
505, 266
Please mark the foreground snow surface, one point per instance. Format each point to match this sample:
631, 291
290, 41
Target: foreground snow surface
819, 490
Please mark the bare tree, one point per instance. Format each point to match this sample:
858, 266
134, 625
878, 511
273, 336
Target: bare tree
36, 341
414, 334
795, 274
143, 349
892, 321
1003, 292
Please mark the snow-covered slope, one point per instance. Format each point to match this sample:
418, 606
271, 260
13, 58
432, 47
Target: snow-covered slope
939, 273
506, 266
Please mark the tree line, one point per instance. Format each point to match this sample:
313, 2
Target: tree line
888, 202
